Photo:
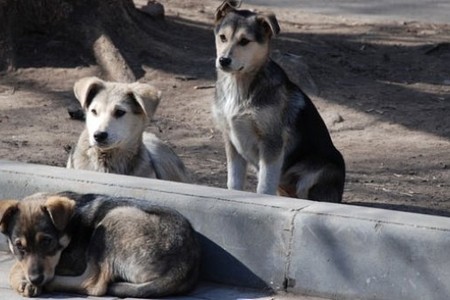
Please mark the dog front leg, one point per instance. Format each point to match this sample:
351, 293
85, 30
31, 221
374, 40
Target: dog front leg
20, 284
236, 167
269, 175
92, 282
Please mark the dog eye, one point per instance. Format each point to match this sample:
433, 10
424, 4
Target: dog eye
118, 113
94, 112
46, 241
244, 41
223, 38
20, 247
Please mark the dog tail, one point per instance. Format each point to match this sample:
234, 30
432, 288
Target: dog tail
167, 164
160, 287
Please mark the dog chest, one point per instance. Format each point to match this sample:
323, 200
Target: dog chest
246, 123
239, 125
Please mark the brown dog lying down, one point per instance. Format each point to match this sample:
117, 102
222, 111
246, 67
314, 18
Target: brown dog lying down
96, 245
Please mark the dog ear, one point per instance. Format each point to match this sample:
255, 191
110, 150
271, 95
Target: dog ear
147, 96
225, 8
60, 210
86, 89
270, 23
7, 210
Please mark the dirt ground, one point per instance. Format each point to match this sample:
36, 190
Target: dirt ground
383, 90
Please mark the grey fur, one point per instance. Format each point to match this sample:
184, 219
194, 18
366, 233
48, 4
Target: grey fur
118, 246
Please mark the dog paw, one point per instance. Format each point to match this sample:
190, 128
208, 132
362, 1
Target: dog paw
27, 289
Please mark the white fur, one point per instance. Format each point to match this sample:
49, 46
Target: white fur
269, 176
123, 151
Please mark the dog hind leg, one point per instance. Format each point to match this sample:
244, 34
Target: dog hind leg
158, 287
307, 181
325, 192
167, 164
322, 185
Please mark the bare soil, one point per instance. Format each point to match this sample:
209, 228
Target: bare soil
383, 89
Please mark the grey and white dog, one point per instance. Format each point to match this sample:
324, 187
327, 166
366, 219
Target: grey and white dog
266, 120
114, 140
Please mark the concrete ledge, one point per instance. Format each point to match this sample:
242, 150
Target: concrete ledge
304, 247
203, 291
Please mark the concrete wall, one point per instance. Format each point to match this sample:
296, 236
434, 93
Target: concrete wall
330, 250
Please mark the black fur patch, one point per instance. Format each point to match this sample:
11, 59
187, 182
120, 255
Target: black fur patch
93, 91
244, 19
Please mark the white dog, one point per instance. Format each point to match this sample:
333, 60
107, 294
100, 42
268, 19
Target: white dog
112, 142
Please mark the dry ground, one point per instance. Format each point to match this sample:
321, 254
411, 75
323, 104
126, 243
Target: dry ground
383, 90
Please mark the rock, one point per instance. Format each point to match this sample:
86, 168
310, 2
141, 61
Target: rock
154, 9
76, 112
332, 118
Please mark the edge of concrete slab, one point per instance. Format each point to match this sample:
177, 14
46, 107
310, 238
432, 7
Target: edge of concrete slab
283, 244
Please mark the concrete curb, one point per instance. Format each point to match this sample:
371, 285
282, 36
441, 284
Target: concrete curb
304, 247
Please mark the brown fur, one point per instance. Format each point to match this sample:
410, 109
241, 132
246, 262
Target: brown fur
125, 247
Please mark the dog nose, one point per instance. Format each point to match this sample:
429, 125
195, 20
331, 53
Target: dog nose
100, 136
36, 279
225, 61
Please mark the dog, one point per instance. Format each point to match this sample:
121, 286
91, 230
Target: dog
266, 120
112, 142
95, 245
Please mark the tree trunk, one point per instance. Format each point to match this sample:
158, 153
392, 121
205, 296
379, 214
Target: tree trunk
6, 48
111, 30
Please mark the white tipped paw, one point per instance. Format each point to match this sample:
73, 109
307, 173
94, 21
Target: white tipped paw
27, 289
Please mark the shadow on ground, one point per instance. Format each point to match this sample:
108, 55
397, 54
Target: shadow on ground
344, 65
397, 73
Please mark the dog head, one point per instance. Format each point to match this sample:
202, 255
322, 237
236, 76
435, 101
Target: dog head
116, 113
35, 231
242, 38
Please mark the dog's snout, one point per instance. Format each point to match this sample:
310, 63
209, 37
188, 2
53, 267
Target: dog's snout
225, 61
100, 136
36, 279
